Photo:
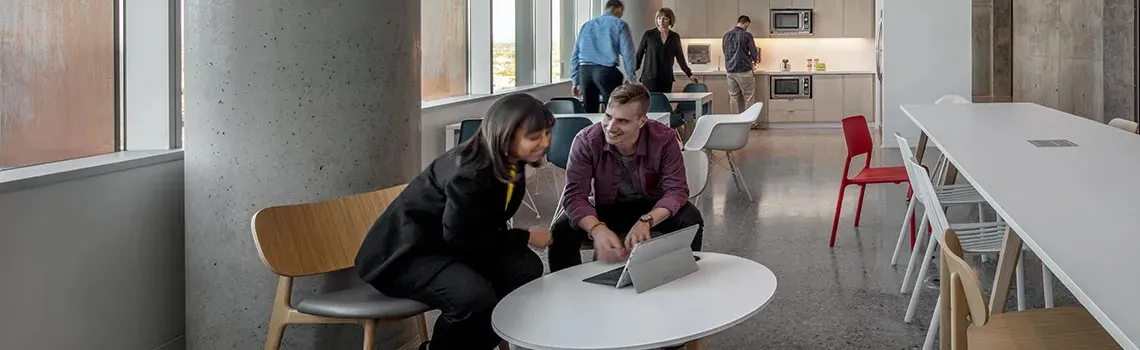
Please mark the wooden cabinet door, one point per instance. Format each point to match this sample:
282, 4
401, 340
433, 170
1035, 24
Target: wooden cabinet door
827, 19
827, 95
859, 18
692, 18
782, 4
803, 4
760, 13
722, 16
859, 96
718, 85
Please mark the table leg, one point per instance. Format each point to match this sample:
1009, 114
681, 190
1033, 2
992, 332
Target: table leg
700, 108
694, 345
920, 149
451, 137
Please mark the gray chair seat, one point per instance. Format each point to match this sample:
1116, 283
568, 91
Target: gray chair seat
362, 302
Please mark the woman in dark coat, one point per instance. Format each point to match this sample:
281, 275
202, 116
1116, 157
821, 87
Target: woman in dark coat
659, 47
444, 241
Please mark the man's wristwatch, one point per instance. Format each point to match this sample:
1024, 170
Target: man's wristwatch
646, 219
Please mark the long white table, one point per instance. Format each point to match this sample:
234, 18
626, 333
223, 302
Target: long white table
451, 131
1077, 208
700, 99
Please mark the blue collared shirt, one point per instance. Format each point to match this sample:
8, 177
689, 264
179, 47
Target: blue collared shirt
600, 42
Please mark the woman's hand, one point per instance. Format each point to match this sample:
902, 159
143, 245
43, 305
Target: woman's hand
540, 237
693, 79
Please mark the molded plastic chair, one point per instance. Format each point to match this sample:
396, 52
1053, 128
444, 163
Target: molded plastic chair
576, 105
1124, 124
467, 129
696, 172
973, 327
952, 99
858, 139
561, 107
317, 238
689, 108
561, 141
728, 133
658, 103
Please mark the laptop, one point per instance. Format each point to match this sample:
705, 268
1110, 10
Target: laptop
653, 263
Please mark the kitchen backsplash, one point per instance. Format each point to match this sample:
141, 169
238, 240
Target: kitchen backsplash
840, 54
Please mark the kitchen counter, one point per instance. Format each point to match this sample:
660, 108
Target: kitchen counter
776, 72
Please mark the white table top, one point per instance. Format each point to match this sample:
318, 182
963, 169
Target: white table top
594, 117
1078, 208
559, 311
689, 96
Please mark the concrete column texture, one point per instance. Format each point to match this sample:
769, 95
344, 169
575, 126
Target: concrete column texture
288, 101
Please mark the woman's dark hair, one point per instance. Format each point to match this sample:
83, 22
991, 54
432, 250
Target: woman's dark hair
491, 145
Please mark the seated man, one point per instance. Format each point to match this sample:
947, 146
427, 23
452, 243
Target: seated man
637, 175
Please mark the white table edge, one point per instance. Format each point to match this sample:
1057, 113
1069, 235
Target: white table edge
1026, 239
681, 340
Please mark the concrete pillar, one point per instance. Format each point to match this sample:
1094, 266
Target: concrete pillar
287, 102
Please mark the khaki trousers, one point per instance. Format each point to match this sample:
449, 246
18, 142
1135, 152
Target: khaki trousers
741, 91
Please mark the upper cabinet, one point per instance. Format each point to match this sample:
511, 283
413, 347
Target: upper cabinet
791, 4
759, 12
722, 15
827, 19
859, 18
692, 18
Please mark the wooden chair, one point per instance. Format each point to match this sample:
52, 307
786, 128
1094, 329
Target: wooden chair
316, 238
1055, 328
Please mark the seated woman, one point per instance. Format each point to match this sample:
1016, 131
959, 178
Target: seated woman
444, 241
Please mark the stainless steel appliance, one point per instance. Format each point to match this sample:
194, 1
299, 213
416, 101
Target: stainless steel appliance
698, 53
789, 87
791, 22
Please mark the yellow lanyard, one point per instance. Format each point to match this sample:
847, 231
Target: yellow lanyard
510, 188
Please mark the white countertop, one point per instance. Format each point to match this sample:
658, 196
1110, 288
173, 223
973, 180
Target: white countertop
776, 72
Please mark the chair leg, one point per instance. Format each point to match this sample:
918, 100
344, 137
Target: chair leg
369, 334
918, 282
557, 209
504, 345
736, 173
532, 206
1047, 285
421, 327
1020, 273
694, 345
276, 330
838, 209
932, 331
902, 233
914, 254
859, 208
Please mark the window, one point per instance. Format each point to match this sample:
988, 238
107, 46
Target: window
562, 36
444, 49
58, 80
503, 43
555, 31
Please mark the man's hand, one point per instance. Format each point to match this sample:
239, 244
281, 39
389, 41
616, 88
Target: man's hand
540, 237
607, 245
639, 233
693, 79
576, 90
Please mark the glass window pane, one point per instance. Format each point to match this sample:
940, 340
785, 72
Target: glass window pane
503, 43
57, 80
555, 32
443, 67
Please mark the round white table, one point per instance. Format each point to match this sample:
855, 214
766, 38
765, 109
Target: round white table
561, 312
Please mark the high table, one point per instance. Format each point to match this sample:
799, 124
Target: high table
561, 312
1077, 208
700, 99
451, 133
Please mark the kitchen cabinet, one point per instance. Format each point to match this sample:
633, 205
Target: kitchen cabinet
760, 13
781, 4
827, 19
859, 18
692, 18
792, 4
859, 95
762, 94
827, 96
718, 85
791, 111
722, 15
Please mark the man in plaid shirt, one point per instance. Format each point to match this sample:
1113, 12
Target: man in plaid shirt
740, 55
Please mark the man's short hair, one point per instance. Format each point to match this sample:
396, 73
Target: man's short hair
613, 4
743, 19
631, 93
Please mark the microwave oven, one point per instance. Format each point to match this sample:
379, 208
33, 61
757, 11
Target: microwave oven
791, 22
789, 87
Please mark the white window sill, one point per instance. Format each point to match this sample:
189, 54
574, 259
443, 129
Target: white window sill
451, 101
44, 174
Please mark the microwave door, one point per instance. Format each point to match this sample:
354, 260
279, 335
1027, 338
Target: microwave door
786, 21
785, 88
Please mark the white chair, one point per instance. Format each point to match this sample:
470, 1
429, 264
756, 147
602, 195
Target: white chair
976, 238
728, 133
1124, 124
696, 172
952, 99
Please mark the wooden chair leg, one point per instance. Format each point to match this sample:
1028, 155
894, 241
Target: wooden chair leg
694, 345
504, 345
275, 333
421, 327
369, 334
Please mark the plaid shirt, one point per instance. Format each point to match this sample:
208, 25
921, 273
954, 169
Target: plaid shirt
739, 51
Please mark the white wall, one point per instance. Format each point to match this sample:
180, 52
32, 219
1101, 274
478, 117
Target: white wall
927, 54
94, 262
434, 119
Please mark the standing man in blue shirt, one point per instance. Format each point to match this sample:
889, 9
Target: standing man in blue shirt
593, 65
740, 55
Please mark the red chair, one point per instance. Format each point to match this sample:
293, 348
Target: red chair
858, 139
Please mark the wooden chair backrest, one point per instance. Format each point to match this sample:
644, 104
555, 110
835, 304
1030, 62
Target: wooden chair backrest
966, 298
321, 237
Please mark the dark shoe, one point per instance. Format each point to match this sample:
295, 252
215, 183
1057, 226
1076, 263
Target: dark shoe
424, 345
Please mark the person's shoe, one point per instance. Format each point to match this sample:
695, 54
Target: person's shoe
424, 345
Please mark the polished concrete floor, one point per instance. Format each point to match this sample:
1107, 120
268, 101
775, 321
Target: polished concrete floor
846, 297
